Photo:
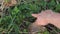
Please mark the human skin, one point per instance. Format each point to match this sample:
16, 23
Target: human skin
46, 17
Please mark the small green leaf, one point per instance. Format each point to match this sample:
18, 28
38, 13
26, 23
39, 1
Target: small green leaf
15, 11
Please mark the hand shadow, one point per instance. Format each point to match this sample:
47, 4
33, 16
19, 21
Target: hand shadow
52, 29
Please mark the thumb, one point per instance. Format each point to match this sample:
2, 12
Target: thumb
35, 15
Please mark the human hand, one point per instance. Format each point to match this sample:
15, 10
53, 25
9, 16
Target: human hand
46, 17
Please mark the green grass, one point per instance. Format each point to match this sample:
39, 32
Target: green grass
20, 15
